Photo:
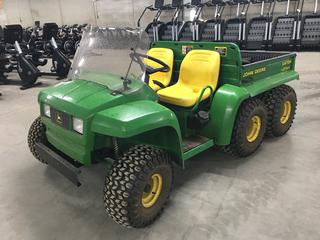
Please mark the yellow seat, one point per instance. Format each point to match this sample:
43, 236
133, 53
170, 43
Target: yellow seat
165, 55
199, 69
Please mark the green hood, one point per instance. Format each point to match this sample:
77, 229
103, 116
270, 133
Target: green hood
84, 98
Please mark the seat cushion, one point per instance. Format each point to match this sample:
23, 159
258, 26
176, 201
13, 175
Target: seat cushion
182, 95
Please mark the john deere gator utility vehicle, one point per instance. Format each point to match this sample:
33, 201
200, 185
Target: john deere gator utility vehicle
143, 107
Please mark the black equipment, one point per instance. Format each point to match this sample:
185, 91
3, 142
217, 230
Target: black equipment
24, 50
29, 73
156, 27
5, 67
175, 24
60, 63
37, 24
158, 30
310, 30
235, 28
12, 33
213, 28
286, 29
259, 28
50, 30
1, 33
71, 39
191, 30
171, 29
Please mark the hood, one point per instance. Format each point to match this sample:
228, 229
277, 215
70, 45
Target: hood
84, 98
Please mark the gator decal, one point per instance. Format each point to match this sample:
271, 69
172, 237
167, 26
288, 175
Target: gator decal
286, 65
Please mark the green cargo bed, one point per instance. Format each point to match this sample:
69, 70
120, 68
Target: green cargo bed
241, 68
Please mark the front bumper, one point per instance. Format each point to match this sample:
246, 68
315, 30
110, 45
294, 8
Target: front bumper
76, 146
62, 165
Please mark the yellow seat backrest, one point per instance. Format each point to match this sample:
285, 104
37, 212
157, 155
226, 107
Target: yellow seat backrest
165, 55
200, 68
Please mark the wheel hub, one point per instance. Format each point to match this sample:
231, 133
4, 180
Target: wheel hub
286, 112
152, 191
254, 129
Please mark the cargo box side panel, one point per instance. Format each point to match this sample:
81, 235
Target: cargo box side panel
267, 68
267, 74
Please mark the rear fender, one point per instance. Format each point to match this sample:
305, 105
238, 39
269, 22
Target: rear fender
228, 99
223, 113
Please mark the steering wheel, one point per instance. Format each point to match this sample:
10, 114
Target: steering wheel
137, 57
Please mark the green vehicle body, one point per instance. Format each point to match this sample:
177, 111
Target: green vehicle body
137, 117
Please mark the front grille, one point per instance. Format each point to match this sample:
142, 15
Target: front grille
60, 118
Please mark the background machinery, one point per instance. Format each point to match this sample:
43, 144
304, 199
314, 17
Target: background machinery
259, 28
235, 28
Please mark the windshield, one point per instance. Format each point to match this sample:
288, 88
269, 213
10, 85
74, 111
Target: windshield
105, 56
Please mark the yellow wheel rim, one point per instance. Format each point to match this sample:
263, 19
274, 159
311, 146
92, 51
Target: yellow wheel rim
150, 197
286, 112
254, 129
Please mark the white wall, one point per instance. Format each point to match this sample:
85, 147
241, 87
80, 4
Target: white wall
110, 12
25, 12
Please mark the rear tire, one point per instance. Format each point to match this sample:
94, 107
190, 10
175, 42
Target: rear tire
249, 129
138, 186
37, 133
281, 104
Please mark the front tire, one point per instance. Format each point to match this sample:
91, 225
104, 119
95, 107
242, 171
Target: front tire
249, 129
37, 133
281, 104
138, 186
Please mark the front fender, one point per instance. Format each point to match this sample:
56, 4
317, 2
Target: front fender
138, 119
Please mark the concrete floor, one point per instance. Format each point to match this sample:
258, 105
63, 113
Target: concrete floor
271, 195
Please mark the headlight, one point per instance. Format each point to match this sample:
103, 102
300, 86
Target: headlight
78, 125
47, 110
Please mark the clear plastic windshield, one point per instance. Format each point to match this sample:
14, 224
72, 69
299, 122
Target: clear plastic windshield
105, 56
